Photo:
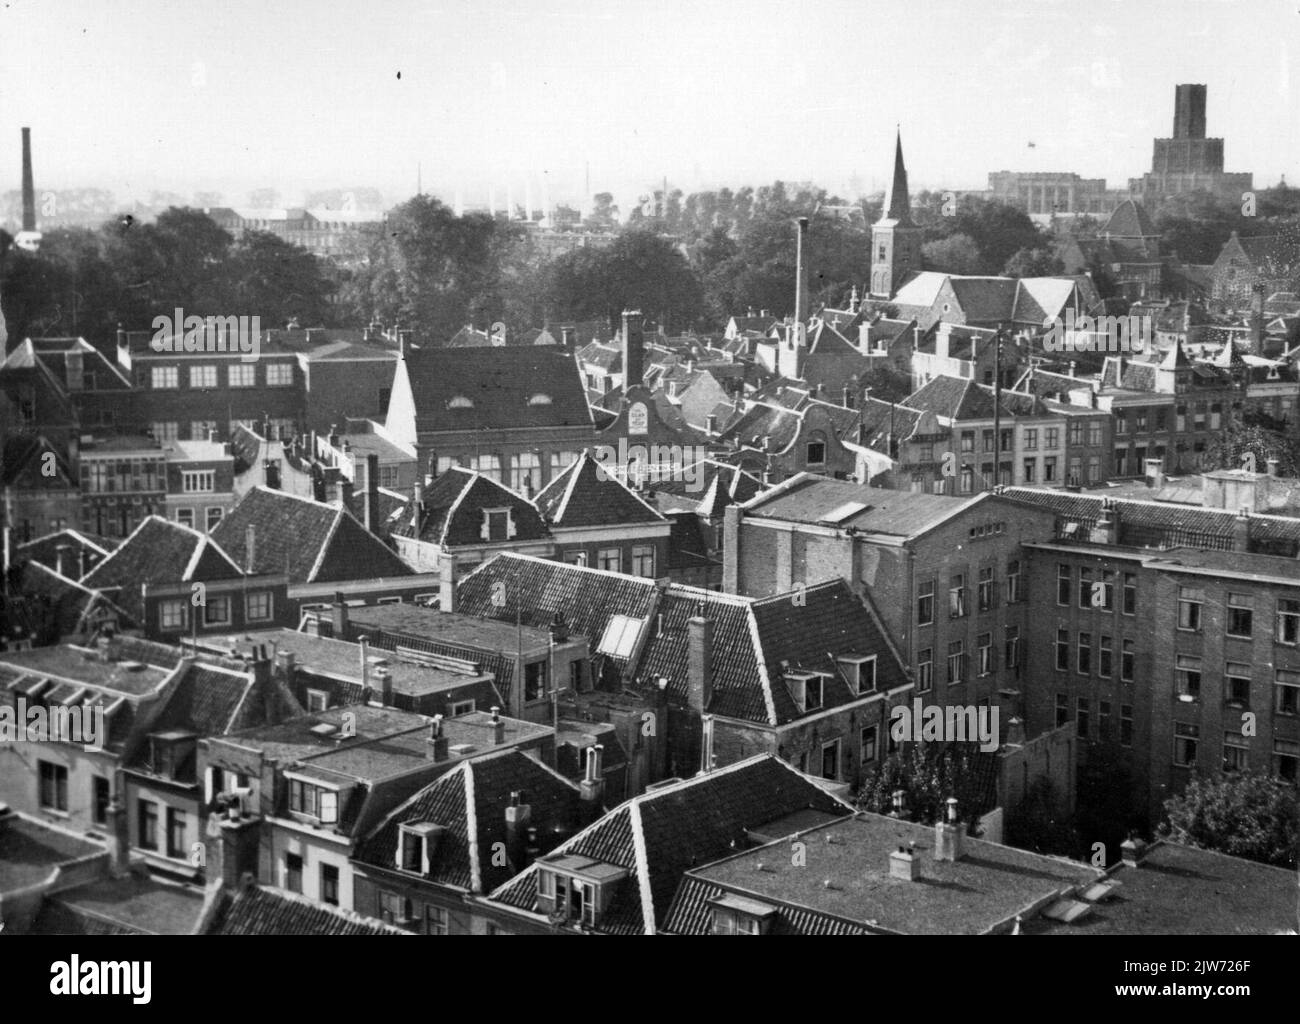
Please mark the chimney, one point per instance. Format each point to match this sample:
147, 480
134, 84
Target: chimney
363, 644
1107, 529
699, 664
1241, 530
237, 842
904, 864
567, 339
437, 741
1155, 473
119, 840
800, 284
384, 677
633, 349
592, 786
1015, 732
1132, 850
61, 552
447, 582
948, 834
372, 493
498, 727
519, 816
1272, 466
711, 424
286, 666
339, 616
29, 188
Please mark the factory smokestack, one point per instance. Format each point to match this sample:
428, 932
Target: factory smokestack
29, 189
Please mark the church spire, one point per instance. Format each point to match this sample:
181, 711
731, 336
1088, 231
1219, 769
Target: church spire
897, 205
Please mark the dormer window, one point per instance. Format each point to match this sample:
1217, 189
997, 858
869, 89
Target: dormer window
573, 889
310, 801
171, 753
460, 402
806, 688
417, 846
498, 524
736, 915
860, 670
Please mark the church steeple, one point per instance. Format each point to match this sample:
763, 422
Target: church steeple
895, 239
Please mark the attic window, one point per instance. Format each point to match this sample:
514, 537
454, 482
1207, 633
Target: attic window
736, 915
539, 399
620, 636
860, 670
806, 688
576, 889
460, 402
417, 846
310, 801
498, 524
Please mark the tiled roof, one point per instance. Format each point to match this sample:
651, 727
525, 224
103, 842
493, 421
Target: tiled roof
259, 911
584, 494
21, 456
136, 904
1130, 220
206, 701
957, 398
159, 551
308, 540
660, 835
509, 388
470, 803
452, 510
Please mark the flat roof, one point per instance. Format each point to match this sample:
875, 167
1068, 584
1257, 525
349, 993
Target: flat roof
450, 627
294, 739
83, 665
988, 886
30, 850
139, 901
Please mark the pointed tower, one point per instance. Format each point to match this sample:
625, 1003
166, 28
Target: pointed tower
895, 240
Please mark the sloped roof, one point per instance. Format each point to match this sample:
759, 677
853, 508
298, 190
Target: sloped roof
957, 398
307, 540
21, 453
584, 494
470, 803
509, 388
260, 911
659, 835
451, 510
207, 701
160, 551
985, 298
1130, 220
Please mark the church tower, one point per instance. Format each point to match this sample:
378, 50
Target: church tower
895, 240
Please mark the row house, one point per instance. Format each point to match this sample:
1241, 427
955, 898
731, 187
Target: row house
123, 482
785, 430
200, 482
40, 489
65, 387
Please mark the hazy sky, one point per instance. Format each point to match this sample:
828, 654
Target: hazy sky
181, 95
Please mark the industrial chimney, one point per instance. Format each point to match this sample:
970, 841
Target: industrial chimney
28, 238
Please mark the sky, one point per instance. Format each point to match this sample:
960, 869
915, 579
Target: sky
135, 95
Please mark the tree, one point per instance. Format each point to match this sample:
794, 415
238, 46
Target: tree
887, 384
1040, 262
1248, 442
277, 281
1245, 814
998, 230
956, 254
604, 213
928, 776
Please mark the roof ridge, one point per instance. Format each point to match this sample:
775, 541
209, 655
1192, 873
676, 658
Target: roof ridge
648, 923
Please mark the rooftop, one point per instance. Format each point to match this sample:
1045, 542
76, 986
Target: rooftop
83, 665
30, 851
134, 904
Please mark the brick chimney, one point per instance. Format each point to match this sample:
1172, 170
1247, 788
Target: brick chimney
29, 189
567, 335
519, 815
904, 864
119, 840
1107, 529
1132, 851
800, 275
949, 834
633, 348
447, 582
437, 742
384, 679
1241, 530
372, 494
339, 616
699, 662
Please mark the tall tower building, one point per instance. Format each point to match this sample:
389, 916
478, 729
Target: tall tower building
895, 240
1188, 161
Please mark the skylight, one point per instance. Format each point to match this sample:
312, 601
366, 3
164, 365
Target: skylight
460, 402
540, 399
620, 636
845, 511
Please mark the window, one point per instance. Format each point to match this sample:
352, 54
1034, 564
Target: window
1013, 581
860, 670
1053, 435
198, 481
1012, 647
831, 760
1074, 433
1082, 717
148, 824
462, 707
1189, 608
1126, 725
216, 610
1084, 660
1240, 615
984, 647
968, 440
1031, 468
1031, 439
1094, 469
1127, 661
609, 559
1187, 676
1185, 740
984, 592
1049, 469
1286, 760
1236, 679
241, 375
924, 670
435, 920
967, 479
317, 701
925, 603
525, 471
1286, 692
165, 431
1094, 434
1063, 583
203, 376
1103, 720
1235, 748
185, 516
99, 800
329, 884
1288, 621
279, 375
988, 440
1063, 650
175, 833
535, 680
1140, 421
172, 614
643, 560
257, 606
498, 524
1103, 595
620, 635
1105, 655
816, 451
957, 596
806, 689
164, 377
1062, 709
53, 787
1121, 421
313, 801
1130, 594
956, 662
213, 517
1085, 587
869, 735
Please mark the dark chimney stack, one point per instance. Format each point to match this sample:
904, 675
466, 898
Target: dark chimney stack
438, 746
800, 283
29, 188
339, 616
372, 493
699, 662
633, 349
